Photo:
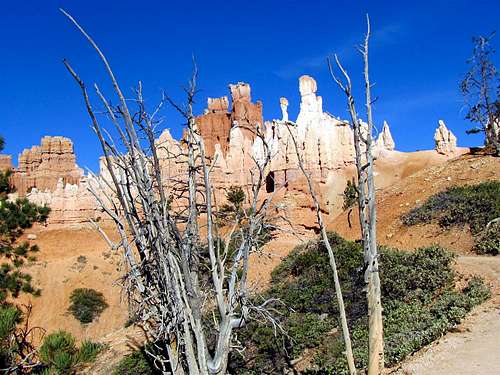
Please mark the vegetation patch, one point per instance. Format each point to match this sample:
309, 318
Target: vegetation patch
15, 217
471, 205
488, 242
137, 363
60, 355
419, 298
87, 304
17, 353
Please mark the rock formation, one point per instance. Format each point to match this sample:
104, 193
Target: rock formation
446, 142
385, 140
5, 162
245, 114
49, 174
284, 109
327, 142
216, 123
42, 166
69, 203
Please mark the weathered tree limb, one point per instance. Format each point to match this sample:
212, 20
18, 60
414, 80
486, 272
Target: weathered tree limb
331, 256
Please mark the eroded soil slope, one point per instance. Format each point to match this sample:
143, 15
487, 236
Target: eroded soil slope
70, 259
411, 192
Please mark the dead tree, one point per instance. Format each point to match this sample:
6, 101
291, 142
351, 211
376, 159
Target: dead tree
186, 280
331, 256
363, 144
481, 90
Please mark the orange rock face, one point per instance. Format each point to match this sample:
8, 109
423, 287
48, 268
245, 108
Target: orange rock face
215, 125
246, 114
42, 166
5, 162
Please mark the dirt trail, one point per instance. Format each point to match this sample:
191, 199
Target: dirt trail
474, 347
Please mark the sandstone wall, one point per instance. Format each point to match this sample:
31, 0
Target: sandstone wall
216, 123
5, 162
324, 142
42, 166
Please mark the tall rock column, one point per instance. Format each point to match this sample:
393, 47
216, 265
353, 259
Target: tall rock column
385, 140
284, 109
215, 125
245, 114
446, 142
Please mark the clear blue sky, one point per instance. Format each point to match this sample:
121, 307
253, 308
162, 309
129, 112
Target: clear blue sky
418, 55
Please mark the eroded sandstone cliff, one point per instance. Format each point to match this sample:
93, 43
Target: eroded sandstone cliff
48, 173
43, 166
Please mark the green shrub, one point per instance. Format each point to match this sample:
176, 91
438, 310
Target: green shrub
477, 291
235, 196
10, 316
489, 241
419, 298
87, 304
19, 215
5, 187
60, 355
15, 217
350, 195
58, 352
137, 363
474, 205
409, 275
88, 351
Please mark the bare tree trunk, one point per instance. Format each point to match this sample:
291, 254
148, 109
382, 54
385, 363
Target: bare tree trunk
366, 208
338, 290
375, 340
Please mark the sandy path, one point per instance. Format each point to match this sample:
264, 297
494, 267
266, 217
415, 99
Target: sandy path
475, 346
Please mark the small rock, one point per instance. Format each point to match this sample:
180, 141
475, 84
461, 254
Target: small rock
31, 237
323, 316
448, 178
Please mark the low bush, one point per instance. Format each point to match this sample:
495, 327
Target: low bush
86, 304
58, 351
472, 205
88, 351
419, 298
137, 363
488, 242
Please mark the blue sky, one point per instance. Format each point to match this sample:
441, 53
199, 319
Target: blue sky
417, 59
